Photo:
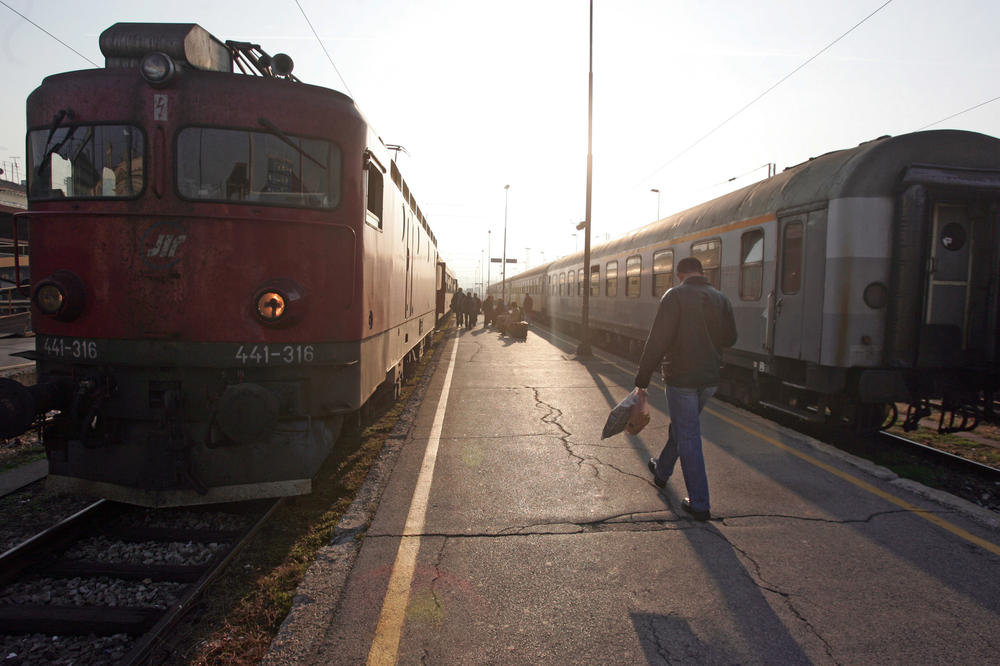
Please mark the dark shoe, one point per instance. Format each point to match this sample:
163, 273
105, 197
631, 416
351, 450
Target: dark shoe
701, 516
660, 483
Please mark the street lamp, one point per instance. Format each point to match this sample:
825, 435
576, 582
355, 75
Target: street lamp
657, 202
489, 257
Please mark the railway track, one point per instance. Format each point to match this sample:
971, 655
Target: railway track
116, 578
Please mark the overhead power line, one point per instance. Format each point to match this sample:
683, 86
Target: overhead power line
955, 115
49, 33
328, 57
761, 96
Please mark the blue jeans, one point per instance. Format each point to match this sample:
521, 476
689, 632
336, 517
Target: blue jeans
685, 405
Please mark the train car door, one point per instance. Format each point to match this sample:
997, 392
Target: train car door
787, 327
407, 242
797, 299
949, 309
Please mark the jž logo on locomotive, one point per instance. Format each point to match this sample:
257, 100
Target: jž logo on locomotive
161, 244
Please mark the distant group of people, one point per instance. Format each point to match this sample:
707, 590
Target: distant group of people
467, 306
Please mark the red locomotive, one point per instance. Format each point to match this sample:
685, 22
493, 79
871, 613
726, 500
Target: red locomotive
225, 265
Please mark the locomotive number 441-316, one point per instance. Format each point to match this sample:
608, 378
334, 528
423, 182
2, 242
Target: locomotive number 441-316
70, 348
267, 354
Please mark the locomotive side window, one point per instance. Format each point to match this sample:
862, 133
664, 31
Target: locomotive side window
611, 279
791, 258
595, 281
663, 271
633, 276
752, 265
709, 253
258, 168
86, 162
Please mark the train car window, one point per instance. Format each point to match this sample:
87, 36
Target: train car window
571, 283
709, 253
86, 162
611, 279
373, 196
633, 276
791, 258
595, 280
752, 265
260, 168
580, 282
663, 271
562, 285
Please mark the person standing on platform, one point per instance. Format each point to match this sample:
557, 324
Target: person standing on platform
693, 324
474, 311
487, 310
529, 305
458, 307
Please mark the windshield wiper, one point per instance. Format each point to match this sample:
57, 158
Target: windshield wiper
284, 137
56, 124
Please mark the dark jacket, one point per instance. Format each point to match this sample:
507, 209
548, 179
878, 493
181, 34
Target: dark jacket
693, 324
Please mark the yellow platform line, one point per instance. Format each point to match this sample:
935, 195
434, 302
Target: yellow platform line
864, 485
385, 646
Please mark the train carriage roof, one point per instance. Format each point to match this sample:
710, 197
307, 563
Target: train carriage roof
872, 169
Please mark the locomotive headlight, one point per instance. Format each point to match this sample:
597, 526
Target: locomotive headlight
876, 295
279, 302
157, 68
60, 295
270, 306
49, 299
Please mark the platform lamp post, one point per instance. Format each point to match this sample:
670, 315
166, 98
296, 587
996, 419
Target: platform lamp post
503, 288
489, 257
657, 202
583, 349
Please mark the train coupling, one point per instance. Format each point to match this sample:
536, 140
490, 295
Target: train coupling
20, 405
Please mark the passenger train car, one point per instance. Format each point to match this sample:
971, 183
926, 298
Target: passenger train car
859, 279
225, 265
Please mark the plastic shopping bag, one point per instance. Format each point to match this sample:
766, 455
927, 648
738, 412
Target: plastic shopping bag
639, 415
622, 414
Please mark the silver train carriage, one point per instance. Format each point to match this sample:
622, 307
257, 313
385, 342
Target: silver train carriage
860, 279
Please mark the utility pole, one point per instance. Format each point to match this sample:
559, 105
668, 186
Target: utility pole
583, 349
503, 287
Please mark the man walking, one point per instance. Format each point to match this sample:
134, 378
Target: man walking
693, 324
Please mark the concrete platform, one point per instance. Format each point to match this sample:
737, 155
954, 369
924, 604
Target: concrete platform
499, 528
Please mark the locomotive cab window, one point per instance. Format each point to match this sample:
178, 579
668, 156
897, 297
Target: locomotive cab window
709, 253
752, 265
791, 258
258, 168
86, 162
633, 276
663, 271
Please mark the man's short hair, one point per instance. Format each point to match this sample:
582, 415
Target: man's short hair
689, 265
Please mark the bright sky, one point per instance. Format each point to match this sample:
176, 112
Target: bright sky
486, 94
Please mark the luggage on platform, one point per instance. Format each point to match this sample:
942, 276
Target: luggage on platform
518, 329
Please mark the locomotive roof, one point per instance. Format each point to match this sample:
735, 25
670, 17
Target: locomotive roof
872, 169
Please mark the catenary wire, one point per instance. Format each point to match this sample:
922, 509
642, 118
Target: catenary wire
49, 33
955, 115
761, 96
328, 57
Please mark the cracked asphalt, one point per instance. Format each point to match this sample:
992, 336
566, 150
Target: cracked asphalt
543, 544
